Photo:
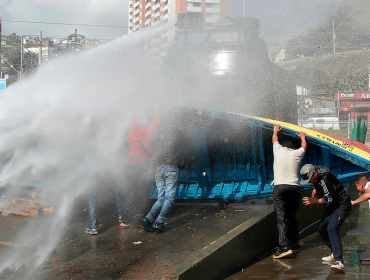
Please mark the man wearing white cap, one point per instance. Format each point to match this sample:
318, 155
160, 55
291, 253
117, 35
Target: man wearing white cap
330, 192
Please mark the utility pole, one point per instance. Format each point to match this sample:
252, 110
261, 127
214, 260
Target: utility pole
75, 40
333, 38
20, 73
40, 48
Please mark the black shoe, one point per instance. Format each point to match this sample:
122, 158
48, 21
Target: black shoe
160, 228
148, 226
282, 253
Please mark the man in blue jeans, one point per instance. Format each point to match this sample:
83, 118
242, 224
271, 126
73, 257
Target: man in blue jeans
330, 192
168, 156
92, 208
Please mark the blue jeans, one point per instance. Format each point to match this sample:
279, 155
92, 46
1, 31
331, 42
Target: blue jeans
166, 180
92, 209
329, 230
92, 206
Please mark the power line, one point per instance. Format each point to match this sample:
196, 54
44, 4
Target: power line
61, 23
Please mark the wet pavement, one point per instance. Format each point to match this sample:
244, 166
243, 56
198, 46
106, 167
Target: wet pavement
308, 265
113, 253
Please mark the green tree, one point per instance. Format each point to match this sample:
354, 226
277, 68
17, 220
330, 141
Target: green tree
29, 63
349, 82
12, 53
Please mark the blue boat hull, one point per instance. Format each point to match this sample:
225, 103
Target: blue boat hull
232, 158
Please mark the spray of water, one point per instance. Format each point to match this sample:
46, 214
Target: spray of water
66, 125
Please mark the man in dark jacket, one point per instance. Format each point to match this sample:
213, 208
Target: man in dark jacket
330, 192
168, 156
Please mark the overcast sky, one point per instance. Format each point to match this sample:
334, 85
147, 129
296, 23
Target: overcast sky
280, 19
94, 12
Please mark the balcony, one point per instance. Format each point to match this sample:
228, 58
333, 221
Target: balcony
155, 7
148, 5
136, 5
147, 13
193, 9
156, 15
136, 20
131, 2
136, 12
213, 10
147, 22
166, 16
165, 8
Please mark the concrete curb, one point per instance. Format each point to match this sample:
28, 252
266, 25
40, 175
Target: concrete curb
242, 245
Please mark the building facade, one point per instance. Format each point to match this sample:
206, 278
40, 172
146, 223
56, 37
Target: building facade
353, 105
143, 13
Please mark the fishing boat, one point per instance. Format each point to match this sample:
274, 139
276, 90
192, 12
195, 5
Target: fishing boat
232, 157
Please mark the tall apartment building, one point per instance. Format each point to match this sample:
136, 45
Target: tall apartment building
214, 11
144, 13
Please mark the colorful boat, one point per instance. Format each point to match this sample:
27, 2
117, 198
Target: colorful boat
232, 158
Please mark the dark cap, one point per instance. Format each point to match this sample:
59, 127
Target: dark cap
307, 172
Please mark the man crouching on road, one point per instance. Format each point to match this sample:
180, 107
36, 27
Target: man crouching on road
330, 192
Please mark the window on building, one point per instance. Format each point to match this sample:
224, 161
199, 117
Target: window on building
196, 4
212, 5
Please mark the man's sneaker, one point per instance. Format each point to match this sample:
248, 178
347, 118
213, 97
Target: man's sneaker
338, 267
122, 225
91, 231
282, 253
160, 228
329, 258
148, 226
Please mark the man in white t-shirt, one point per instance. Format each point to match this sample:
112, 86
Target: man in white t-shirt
287, 191
362, 184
